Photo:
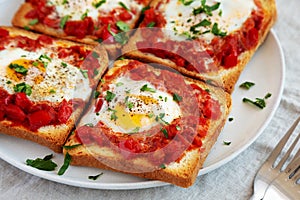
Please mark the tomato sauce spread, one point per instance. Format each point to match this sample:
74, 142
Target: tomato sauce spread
19, 110
101, 29
159, 147
223, 50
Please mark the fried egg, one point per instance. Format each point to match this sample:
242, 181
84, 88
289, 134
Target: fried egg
230, 16
48, 77
134, 106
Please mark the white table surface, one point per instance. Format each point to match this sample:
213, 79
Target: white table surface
232, 181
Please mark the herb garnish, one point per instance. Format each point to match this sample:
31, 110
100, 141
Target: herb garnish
216, 31
66, 164
113, 116
227, 143
247, 85
259, 102
165, 132
33, 22
96, 94
45, 164
186, 2
146, 88
72, 146
84, 73
63, 21
124, 6
109, 96
99, 3
177, 98
95, 177
206, 9
151, 24
123, 26
18, 68
120, 37
23, 87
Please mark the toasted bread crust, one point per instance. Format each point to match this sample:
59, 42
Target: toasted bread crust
183, 173
19, 20
225, 78
53, 137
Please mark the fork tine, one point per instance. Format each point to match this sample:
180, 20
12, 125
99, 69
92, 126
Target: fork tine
281, 144
288, 153
295, 169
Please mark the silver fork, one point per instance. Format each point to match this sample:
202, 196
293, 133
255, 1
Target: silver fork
285, 186
268, 171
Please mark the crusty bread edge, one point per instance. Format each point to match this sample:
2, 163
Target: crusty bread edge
44, 135
181, 174
225, 79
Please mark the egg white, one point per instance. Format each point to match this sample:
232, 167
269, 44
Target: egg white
65, 82
160, 103
233, 14
75, 9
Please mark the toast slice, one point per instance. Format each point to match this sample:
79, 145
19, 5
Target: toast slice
90, 22
208, 40
45, 85
150, 122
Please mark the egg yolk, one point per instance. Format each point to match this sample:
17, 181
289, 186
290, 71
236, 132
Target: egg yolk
16, 76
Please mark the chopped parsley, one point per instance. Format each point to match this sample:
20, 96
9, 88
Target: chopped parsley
146, 88
123, 6
63, 21
23, 87
165, 132
186, 2
119, 84
227, 143
72, 146
84, 73
113, 116
163, 166
18, 68
45, 163
96, 94
177, 98
84, 15
203, 23
135, 130
120, 38
178, 128
247, 85
64, 64
216, 31
109, 96
99, 3
52, 91
95, 177
123, 26
151, 24
33, 22
205, 8
259, 102
66, 164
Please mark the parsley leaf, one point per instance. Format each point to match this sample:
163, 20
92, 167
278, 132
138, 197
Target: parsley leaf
45, 164
99, 3
109, 96
66, 164
71, 147
146, 88
120, 37
186, 2
216, 31
95, 177
259, 102
124, 6
177, 98
123, 26
23, 87
33, 22
18, 68
247, 85
63, 21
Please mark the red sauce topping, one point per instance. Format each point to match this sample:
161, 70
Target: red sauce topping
97, 29
193, 124
223, 50
18, 109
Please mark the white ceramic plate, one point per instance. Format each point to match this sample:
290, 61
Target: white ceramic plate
266, 70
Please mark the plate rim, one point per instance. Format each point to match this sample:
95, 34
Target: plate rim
154, 183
